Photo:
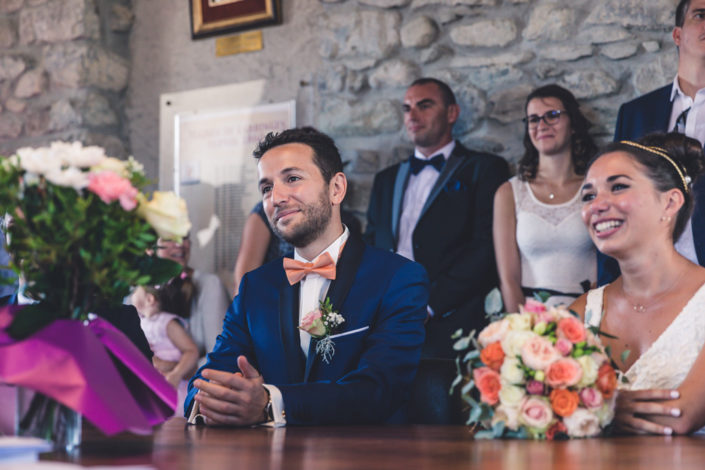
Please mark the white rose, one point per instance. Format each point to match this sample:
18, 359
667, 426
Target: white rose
519, 321
510, 372
511, 395
508, 414
38, 161
590, 369
71, 176
493, 332
118, 167
75, 154
514, 340
536, 413
582, 423
605, 414
166, 213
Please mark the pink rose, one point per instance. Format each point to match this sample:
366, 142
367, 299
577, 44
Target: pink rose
534, 306
582, 423
536, 413
564, 372
591, 398
564, 346
571, 329
534, 387
538, 353
488, 383
312, 323
111, 187
493, 332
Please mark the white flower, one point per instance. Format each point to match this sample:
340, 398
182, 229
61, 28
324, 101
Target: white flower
134, 166
10, 162
75, 154
166, 213
511, 395
118, 167
38, 161
582, 423
510, 371
590, 369
514, 340
606, 414
519, 321
493, 332
71, 176
508, 414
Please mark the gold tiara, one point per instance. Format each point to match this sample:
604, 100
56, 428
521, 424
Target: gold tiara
685, 179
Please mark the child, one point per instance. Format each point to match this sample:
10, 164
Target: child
167, 336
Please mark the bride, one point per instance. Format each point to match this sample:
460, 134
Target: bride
637, 199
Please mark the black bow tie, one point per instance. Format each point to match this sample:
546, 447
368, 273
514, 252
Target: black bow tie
418, 164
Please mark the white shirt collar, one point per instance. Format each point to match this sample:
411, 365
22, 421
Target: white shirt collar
676, 90
446, 150
333, 249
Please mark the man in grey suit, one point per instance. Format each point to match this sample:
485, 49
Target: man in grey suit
436, 208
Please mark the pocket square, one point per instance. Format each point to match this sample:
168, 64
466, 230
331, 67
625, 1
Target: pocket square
352, 332
454, 186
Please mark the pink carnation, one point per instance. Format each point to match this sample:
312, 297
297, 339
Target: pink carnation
110, 187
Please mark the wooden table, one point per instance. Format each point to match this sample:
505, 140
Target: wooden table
177, 446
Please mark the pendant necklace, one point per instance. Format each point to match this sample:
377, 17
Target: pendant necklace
551, 196
640, 308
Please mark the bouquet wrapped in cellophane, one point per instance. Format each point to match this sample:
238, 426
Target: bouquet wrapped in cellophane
537, 374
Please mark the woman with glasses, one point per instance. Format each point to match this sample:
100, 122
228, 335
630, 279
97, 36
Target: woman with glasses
541, 244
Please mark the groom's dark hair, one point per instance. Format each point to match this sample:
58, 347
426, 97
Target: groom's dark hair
681, 10
325, 153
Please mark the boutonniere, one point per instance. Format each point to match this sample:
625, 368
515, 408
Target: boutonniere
320, 324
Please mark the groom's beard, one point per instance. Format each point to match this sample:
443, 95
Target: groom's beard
316, 219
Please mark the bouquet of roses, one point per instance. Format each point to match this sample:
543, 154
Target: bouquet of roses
539, 374
81, 230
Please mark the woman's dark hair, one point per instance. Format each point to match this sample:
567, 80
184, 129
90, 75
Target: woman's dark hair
685, 152
175, 296
582, 147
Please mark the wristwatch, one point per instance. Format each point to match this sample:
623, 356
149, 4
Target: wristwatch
268, 411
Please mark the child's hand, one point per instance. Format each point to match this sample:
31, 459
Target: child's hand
173, 379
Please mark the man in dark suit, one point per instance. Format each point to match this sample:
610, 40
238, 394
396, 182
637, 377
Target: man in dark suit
265, 370
436, 208
677, 107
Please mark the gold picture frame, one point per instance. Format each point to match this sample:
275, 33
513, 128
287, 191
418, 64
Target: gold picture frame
213, 17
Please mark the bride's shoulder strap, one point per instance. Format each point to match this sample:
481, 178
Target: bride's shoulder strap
593, 306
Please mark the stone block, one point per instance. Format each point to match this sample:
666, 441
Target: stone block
8, 33
368, 34
97, 111
360, 118
63, 115
394, 73
550, 22
486, 33
366, 162
356, 81
447, 15
333, 80
31, 83
16, 106
384, 3
11, 67
121, 18
506, 58
432, 54
106, 70
77, 65
451, 3
508, 105
10, 126
651, 46
419, 32
10, 6
37, 122
619, 51
59, 20
602, 34
473, 106
495, 75
657, 14
658, 72
590, 83
566, 53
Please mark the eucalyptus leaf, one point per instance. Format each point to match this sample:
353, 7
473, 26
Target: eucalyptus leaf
484, 434
475, 413
493, 302
462, 344
624, 355
456, 381
457, 334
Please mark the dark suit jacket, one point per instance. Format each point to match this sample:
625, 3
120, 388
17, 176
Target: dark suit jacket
370, 374
652, 113
452, 239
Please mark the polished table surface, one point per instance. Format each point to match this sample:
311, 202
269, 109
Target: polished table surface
177, 446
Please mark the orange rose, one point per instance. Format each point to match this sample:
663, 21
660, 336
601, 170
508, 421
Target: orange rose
572, 329
606, 380
487, 382
556, 428
564, 372
564, 402
493, 356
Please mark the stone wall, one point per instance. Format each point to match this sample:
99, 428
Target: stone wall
64, 70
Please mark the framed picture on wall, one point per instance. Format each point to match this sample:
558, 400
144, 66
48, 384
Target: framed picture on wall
212, 17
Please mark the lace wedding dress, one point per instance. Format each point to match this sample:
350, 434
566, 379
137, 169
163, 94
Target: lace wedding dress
555, 248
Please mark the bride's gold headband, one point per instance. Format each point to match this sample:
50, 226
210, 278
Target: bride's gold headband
685, 179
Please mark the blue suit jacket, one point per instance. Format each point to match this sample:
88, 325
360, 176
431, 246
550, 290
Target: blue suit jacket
651, 113
370, 374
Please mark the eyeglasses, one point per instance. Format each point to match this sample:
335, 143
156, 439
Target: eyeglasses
549, 117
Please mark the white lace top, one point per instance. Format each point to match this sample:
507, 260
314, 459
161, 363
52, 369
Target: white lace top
554, 245
666, 363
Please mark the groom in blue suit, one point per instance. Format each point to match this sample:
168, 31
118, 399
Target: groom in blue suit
265, 370
677, 107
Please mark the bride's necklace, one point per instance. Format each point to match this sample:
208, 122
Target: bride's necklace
641, 307
551, 196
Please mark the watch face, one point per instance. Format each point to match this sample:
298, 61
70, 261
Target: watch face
270, 411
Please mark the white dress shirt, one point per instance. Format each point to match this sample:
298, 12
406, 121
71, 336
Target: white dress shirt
695, 128
417, 190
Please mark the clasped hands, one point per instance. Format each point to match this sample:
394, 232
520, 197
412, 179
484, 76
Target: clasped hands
647, 411
232, 399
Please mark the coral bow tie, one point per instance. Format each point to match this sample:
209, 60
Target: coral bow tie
297, 270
